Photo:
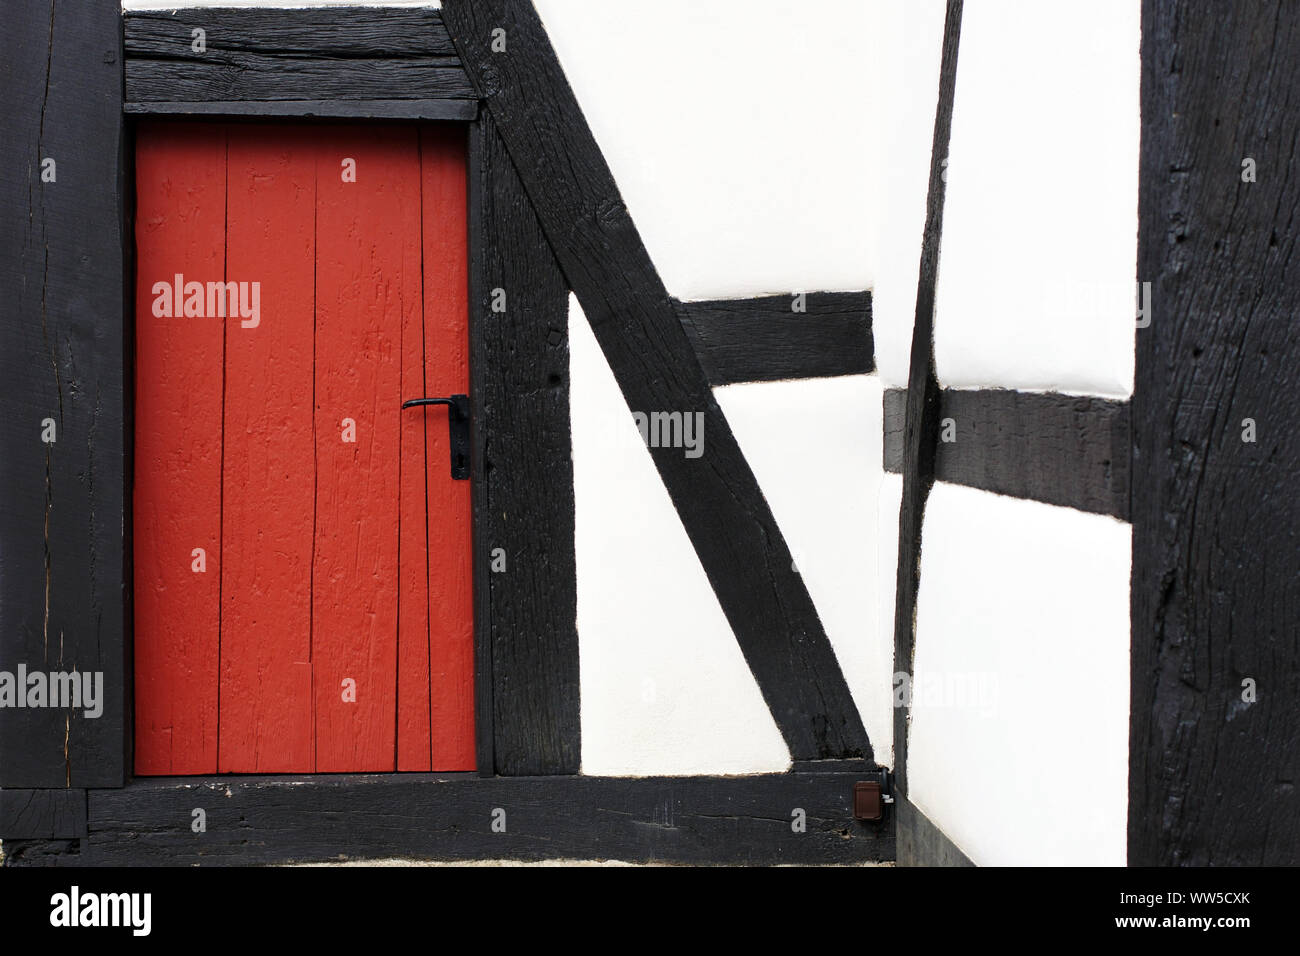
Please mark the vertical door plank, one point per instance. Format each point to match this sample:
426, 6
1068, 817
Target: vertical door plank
269, 468
446, 323
413, 710
362, 293
180, 228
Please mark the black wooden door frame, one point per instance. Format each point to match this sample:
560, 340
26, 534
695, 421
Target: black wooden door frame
352, 59
396, 65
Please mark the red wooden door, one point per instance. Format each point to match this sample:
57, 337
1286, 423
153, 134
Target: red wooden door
302, 553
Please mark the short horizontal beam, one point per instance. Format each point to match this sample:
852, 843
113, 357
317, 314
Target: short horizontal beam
769, 818
322, 32
1060, 449
268, 77
349, 109
204, 55
811, 335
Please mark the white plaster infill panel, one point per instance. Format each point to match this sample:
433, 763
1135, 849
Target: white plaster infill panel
740, 133
1018, 746
815, 448
665, 688
909, 44
1037, 285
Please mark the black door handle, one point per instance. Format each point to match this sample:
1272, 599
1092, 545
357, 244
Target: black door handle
457, 429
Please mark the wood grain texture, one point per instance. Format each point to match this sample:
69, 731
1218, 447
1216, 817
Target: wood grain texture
62, 601
347, 53
180, 376
42, 853
343, 31
254, 76
415, 561
449, 678
349, 109
267, 501
523, 480
1060, 449
601, 254
305, 596
308, 109
42, 814
921, 421
478, 187
764, 340
679, 819
363, 229
1216, 524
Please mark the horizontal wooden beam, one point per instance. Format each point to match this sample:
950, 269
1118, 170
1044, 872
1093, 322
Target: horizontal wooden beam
346, 53
814, 335
438, 109
1060, 449
265, 77
42, 814
257, 820
323, 32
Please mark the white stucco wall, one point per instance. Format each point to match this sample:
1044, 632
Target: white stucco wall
906, 69
1018, 746
826, 504
1038, 270
740, 133
665, 689
749, 168
1036, 291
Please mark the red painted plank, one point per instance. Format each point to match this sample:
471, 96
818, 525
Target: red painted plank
269, 470
446, 325
363, 228
413, 744
180, 226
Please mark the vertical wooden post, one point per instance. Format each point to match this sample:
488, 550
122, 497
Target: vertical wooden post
61, 362
1213, 750
523, 478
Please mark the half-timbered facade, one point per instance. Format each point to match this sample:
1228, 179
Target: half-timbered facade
649, 431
